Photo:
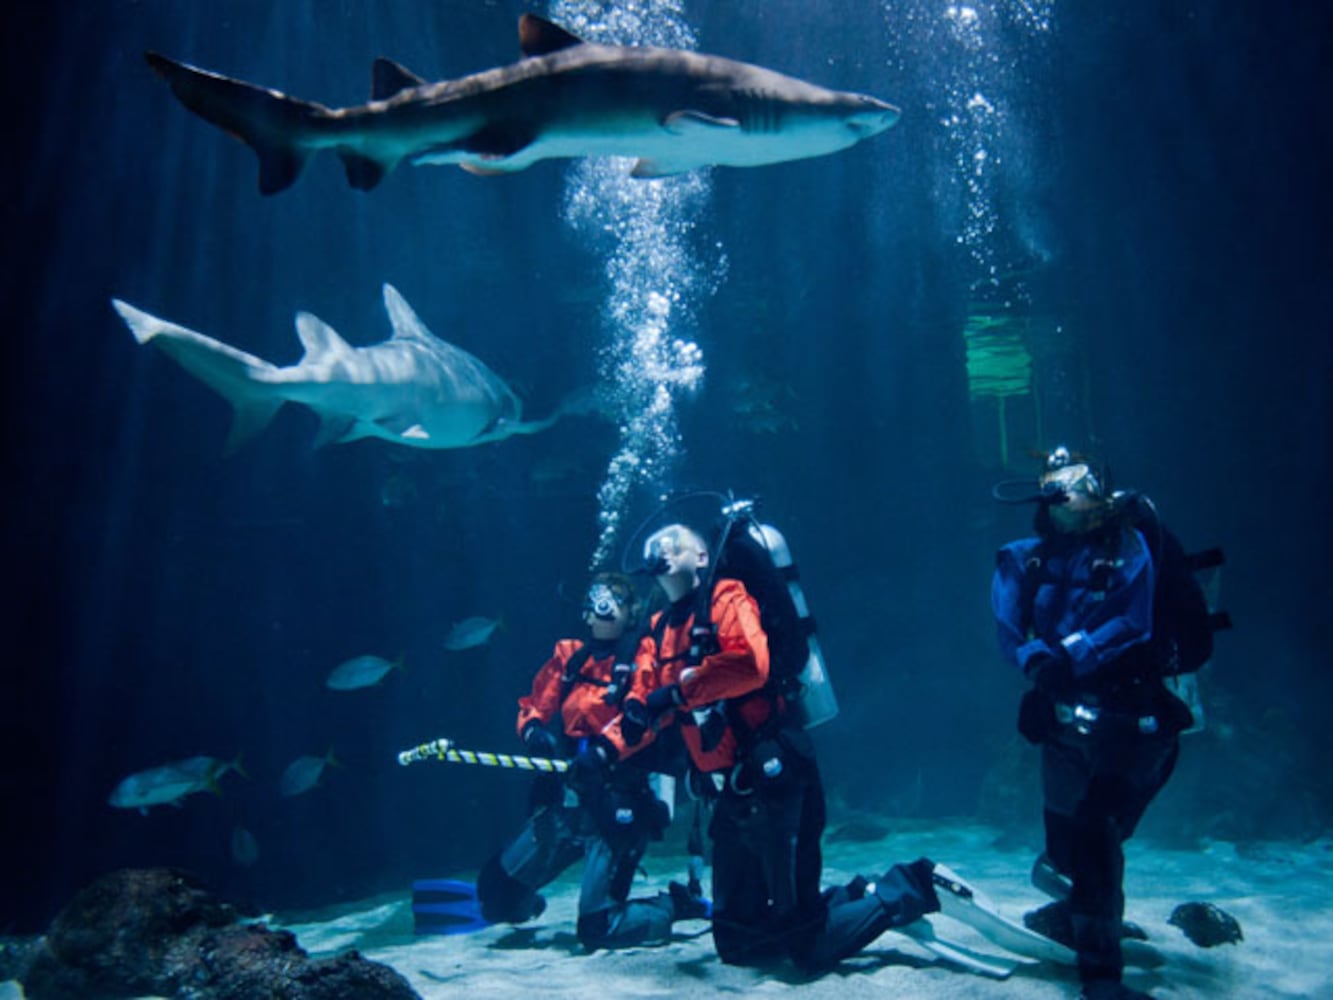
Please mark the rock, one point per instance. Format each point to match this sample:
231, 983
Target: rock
1206, 925
16, 956
159, 932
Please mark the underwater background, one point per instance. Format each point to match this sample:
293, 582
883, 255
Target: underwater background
1100, 224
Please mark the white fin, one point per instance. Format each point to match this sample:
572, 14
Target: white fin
647, 169
319, 339
697, 123
406, 324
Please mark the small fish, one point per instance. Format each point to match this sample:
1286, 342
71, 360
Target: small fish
304, 773
1206, 925
244, 847
169, 783
360, 672
475, 631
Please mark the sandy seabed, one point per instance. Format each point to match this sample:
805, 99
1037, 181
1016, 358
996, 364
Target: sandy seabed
1282, 894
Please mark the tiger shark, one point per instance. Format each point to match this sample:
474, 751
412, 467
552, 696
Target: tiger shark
413, 389
671, 110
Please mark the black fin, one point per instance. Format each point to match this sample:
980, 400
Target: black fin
388, 78
539, 37
278, 168
363, 173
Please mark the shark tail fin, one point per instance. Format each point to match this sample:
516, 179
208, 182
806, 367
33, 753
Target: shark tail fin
264, 120
240, 378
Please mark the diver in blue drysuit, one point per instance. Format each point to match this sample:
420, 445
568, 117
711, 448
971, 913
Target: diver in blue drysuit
1074, 610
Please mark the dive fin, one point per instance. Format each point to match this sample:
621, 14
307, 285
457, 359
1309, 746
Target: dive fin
446, 906
980, 962
966, 905
539, 37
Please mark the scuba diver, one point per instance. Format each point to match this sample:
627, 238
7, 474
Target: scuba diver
607, 809
705, 666
1098, 610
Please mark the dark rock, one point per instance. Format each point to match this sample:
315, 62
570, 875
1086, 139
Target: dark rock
1053, 921
160, 932
16, 956
1206, 925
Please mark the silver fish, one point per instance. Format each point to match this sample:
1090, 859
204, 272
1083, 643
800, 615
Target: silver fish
474, 631
360, 672
304, 773
169, 783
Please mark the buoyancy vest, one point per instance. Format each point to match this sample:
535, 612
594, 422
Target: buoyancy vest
728, 699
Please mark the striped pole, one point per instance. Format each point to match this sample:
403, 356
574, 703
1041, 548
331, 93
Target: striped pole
444, 749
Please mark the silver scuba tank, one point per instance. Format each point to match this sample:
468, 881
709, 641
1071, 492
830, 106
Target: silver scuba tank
816, 702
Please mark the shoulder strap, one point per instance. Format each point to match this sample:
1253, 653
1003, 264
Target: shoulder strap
573, 668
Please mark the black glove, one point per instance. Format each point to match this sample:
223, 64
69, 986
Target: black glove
635, 721
1036, 717
589, 769
662, 699
1051, 673
540, 741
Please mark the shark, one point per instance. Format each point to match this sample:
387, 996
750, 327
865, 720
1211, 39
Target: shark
671, 110
413, 389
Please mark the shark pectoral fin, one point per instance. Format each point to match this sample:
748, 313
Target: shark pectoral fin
251, 416
363, 173
388, 78
697, 123
479, 170
539, 37
647, 169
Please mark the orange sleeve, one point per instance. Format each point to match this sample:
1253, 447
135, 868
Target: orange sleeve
543, 704
741, 663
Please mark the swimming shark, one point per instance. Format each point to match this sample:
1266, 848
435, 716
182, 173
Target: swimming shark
670, 109
413, 389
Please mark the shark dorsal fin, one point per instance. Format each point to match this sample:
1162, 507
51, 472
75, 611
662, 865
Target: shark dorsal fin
388, 79
406, 324
539, 37
320, 340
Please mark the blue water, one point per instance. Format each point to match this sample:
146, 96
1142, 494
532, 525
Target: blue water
1140, 192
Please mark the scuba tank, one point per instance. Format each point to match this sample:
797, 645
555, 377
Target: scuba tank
813, 701
757, 554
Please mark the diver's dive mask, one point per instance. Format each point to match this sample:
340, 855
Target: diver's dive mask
602, 603
1060, 484
1064, 479
657, 547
